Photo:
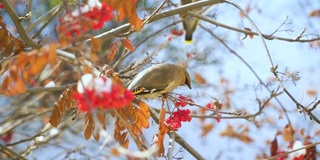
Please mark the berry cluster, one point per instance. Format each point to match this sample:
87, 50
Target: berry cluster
174, 121
182, 101
1, 6
214, 104
99, 15
100, 92
91, 16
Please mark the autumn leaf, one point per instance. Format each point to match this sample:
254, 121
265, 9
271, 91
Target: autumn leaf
59, 108
312, 92
144, 108
250, 35
206, 129
95, 44
37, 63
198, 78
127, 44
112, 51
52, 54
163, 129
274, 147
126, 9
55, 116
242, 135
315, 13
89, 127
287, 133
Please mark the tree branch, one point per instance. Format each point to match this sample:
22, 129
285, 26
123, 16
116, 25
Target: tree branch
178, 138
15, 18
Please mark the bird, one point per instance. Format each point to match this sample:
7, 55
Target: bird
158, 80
189, 23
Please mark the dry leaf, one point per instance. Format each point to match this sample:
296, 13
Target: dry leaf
52, 54
144, 108
230, 132
312, 92
112, 51
95, 44
37, 63
65, 101
163, 129
274, 147
199, 79
206, 129
127, 44
126, 9
315, 13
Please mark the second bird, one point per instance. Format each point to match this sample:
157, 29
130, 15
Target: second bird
189, 23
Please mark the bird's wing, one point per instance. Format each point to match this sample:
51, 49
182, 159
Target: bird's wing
159, 81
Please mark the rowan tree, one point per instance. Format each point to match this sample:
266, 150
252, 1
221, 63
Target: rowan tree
65, 67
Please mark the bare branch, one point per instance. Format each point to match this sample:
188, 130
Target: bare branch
15, 18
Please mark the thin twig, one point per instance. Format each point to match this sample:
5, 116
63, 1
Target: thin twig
50, 89
15, 18
178, 138
286, 153
10, 153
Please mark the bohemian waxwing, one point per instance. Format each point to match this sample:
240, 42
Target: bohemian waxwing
159, 79
189, 23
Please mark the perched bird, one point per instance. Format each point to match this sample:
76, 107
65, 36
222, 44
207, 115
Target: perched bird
159, 79
189, 23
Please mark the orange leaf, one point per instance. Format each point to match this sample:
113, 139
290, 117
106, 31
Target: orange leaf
206, 129
89, 127
312, 92
101, 118
14, 71
5, 83
65, 101
115, 152
8, 49
25, 75
163, 129
136, 22
144, 108
315, 13
144, 121
230, 132
22, 60
127, 44
125, 144
19, 86
95, 44
250, 35
274, 147
112, 51
96, 136
52, 54
55, 117
37, 64
199, 78
126, 9
5, 38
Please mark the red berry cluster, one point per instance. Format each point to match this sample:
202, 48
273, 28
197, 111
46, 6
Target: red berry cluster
182, 101
215, 105
99, 15
1, 6
78, 22
96, 95
174, 121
